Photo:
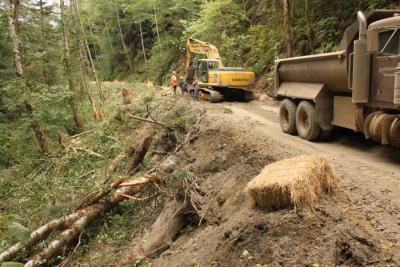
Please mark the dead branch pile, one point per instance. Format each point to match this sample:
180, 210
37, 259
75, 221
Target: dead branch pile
70, 227
292, 182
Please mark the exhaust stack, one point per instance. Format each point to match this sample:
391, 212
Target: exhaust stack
362, 28
361, 64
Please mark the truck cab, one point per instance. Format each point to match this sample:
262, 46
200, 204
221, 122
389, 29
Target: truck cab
383, 39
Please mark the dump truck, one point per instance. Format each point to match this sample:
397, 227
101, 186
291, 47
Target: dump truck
216, 81
357, 87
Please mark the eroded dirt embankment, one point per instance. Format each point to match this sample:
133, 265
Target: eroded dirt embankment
352, 227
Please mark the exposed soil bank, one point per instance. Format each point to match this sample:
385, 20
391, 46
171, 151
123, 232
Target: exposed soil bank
357, 225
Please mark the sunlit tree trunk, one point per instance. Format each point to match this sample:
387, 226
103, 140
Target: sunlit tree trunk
158, 33
35, 126
98, 82
286, 25
96, 112
14, 38
68, 70
45, 71
309, 29
94, 46
141, 37
81, 58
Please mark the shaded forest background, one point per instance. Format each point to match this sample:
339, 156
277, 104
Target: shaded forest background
137, 41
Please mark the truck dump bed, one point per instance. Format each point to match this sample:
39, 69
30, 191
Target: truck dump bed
328, 68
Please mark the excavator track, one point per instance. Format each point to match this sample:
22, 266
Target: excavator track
210, 95
219, 94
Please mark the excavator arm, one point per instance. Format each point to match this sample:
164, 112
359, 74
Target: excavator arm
195, 46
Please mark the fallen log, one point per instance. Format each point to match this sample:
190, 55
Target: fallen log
96, 196
139, 155
39, 234
89, 214
164, 230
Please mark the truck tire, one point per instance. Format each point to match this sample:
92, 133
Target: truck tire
306, 124
287, 116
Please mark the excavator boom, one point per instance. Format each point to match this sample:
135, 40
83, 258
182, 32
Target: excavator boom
195, 46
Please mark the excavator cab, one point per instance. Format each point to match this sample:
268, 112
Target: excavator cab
204, 66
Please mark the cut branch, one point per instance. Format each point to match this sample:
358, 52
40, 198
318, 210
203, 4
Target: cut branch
162, 124
90, 152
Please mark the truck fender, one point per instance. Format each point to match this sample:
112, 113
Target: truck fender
314, 92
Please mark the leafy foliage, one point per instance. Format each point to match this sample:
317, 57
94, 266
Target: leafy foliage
18, 232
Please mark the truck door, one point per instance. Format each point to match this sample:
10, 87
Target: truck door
383, 67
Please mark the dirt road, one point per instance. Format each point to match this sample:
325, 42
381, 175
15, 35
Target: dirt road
370, 173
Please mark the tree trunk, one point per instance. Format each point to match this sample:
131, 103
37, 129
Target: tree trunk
141, 37
122, 39
84, 85
14, 38
76, 6
45, 58
89, 214
96, 112
39, 133
40, 234
108, 36
94, 46
286, 25
68, 72
139, 155
309, 29
66, 236
158, 33
164, 230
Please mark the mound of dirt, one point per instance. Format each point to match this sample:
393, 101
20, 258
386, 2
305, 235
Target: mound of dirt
225, 232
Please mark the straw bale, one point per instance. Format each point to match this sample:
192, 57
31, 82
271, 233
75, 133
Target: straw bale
294, 182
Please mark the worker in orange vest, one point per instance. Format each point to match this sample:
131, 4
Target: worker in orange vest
174, 82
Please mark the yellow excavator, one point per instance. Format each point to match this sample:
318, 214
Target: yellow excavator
216, 82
